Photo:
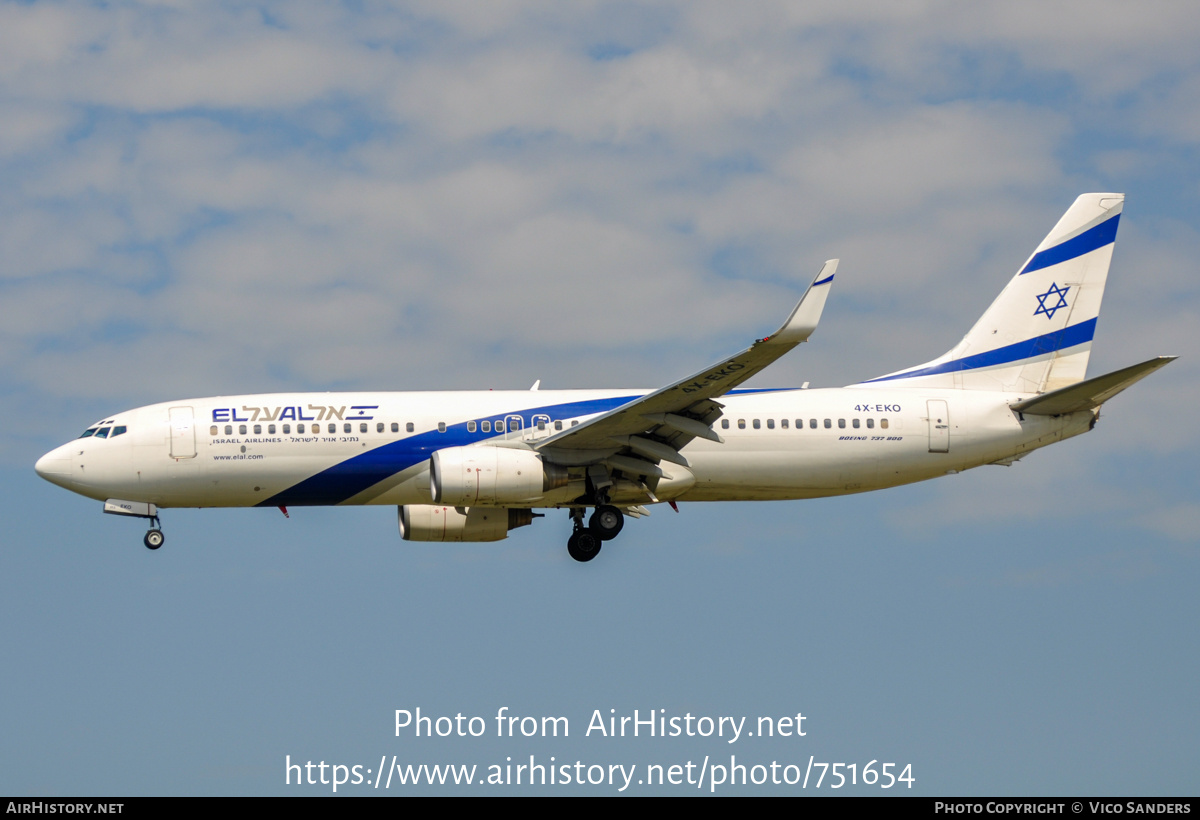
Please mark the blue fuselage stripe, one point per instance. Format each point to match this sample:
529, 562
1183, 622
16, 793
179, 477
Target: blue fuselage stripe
1103, 234
1028, 349
348, 478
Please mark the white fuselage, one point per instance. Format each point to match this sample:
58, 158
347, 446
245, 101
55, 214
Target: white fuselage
374, 448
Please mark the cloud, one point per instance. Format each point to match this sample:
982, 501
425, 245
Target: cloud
299, 194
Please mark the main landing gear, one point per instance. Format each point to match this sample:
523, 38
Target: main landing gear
604, 525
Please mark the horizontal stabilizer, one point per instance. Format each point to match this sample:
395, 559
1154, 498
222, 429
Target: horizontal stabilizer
1091, 393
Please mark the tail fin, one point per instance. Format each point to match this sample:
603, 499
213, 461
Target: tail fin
1037, 335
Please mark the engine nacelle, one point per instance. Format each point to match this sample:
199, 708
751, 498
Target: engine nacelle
470, 476
426, 522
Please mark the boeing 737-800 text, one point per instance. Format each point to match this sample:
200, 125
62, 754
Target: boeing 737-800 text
471, 466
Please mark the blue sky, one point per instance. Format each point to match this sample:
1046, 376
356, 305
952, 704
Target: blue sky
209, 198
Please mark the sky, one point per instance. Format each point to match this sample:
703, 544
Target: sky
216, 198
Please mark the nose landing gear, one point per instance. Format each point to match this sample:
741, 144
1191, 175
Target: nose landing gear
139, 509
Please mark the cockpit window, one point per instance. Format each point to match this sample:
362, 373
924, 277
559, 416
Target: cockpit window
91, 431
103, 432
119, 430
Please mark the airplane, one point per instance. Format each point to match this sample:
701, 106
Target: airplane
472, 466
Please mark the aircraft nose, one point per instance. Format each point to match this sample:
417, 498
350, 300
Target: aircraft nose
54, 466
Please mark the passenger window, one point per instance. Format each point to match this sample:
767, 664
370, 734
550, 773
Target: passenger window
212, 431
741, 424
300, 428
470, 427
229, 429
485, 426
574, 423
499, 427
841, 424
770, 424
783, 423
854, 423
103, 432
346, 428
395, 427
287, 428
441, 426
870, 424
541, 425
242, 429
724, 424
883, 423
258, 429
271, 429
757, 424
812, 424
409, 427
379, 427
362, 427
558, 425
828, 424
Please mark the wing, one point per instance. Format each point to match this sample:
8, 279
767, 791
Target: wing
634, 437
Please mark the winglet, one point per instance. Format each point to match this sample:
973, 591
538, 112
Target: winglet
803, 321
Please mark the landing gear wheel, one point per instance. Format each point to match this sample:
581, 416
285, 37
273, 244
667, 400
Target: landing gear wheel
606, 522
154, 539
583, 545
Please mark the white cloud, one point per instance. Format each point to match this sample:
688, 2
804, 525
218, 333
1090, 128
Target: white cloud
300, 188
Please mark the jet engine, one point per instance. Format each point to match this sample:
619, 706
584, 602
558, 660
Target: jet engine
470, 476
431, 522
